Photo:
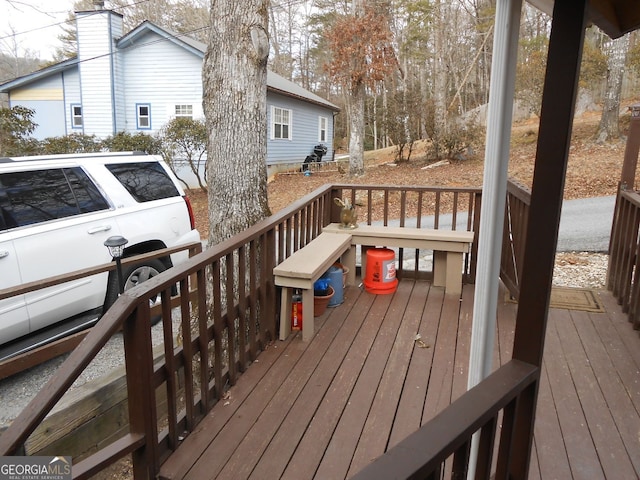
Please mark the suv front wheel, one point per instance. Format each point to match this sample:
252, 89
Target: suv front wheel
133, 275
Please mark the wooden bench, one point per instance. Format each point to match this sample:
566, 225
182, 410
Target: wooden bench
448, 248
301, 270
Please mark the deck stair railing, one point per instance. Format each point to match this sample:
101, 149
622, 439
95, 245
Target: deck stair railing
623, 277
516, 218
224, 315
422, 207
623, 274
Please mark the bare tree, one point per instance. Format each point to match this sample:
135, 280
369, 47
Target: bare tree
362, 56
234, 100
15, 60
609, 127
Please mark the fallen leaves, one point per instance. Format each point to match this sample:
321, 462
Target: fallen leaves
420, 343
592, 171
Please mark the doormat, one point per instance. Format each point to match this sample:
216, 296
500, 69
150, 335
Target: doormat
572, 298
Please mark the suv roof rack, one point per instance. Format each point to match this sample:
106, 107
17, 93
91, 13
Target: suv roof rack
62, 156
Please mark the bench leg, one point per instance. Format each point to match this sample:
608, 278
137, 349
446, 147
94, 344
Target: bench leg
447, 271
285, 313
307, 314
439, 269
349, 261
454, 273
363, 261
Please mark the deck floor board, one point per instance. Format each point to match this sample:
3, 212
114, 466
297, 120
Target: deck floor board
325, 408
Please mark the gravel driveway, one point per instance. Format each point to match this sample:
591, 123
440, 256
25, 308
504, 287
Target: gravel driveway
18, 390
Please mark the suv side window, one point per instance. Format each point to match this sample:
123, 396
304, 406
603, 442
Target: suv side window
36, 196
145, 181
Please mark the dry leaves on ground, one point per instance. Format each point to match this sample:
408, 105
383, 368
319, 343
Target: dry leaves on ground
593, 170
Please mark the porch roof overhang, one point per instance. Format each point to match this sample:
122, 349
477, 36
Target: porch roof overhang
613, 17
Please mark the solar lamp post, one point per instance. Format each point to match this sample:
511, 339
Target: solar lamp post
116, 245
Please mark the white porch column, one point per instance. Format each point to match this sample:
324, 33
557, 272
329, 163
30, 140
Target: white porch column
494, 188
494, 191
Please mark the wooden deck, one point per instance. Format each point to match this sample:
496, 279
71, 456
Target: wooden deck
326, 408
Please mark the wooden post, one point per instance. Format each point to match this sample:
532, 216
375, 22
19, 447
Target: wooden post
556, 120
141, 395
628, 175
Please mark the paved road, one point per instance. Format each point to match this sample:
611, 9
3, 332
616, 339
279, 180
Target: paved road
585, 224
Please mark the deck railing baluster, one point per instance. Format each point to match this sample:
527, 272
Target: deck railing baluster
242, 308
623, 275
253, 299
203, 342
230, 304
187, 350
485, 449
218, 326
169, 356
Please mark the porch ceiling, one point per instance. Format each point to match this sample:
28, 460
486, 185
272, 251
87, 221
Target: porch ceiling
614, 17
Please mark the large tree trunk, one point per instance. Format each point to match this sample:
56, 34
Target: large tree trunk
610, 120
234, 101
355, 110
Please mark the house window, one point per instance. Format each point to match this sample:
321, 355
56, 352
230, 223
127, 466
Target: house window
323, 123
76, 116
143, 116
184, 111
280, 123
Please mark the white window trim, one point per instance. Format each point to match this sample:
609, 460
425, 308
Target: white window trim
273, 123
180, 106
322, 120
138, 116
74, 116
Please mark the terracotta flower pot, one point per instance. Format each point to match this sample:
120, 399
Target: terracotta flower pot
320, 302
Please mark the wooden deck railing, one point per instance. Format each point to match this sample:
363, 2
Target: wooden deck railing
513, 239
623, 275
12, 364
442, 448
227, 314
421, 207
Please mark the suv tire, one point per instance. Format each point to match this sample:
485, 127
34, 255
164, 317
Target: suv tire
132, 276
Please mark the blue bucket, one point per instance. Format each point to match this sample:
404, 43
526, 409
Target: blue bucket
334, 274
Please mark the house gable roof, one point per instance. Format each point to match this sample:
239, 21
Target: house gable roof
136, 35
39, 74
135, 39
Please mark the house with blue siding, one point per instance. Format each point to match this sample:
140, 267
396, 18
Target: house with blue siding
140, 80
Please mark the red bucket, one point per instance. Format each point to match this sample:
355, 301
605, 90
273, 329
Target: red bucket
380, 271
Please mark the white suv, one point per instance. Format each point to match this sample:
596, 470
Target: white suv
56, 213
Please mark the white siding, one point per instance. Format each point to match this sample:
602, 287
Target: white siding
119, 90
72, 96
96, 33
162, 75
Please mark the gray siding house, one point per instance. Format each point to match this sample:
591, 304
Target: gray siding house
139, 81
